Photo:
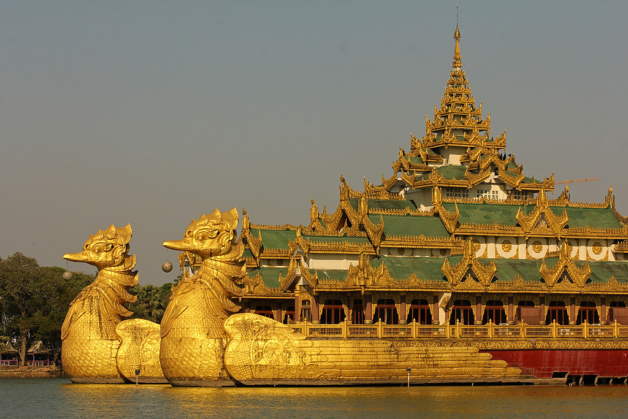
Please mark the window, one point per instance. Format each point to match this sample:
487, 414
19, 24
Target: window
462, 311
494, 312
588, 312
357, 314
265, 311
519, 195
386, 311
487, 193
558, 312
456, 193
420, 312
333, 312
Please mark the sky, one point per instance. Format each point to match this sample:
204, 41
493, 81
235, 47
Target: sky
155, 112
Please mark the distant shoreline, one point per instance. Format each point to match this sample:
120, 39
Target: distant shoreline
28, 372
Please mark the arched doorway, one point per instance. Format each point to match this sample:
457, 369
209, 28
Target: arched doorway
588, 312
357, 314
420, 312
306, 311
333, 312
462, 311
494, 312
386, 311
557, 311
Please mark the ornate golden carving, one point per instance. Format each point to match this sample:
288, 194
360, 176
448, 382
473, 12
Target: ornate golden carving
469, 264
597, 248
192, 334
537, 246
542, 212
564, 265
262, 351
139, 350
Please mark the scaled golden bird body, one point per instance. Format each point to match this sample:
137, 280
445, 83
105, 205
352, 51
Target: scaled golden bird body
90, 341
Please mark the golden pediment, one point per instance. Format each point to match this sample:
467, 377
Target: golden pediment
566, 270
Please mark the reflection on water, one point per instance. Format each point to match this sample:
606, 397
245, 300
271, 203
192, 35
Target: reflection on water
46, 398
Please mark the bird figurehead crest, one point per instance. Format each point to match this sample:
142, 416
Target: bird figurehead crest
210, 236
107, 249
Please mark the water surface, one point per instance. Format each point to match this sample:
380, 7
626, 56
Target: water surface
58, 398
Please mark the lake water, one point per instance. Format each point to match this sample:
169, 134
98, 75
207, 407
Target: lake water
58, 398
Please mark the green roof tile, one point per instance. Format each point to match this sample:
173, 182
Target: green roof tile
416, 160
276, 239
401, 268
452, 171
508, 269
505, 214
485, 213
400, 225
594, 217
270, 276
336, 274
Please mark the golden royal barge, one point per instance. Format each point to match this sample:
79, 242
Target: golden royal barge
457, 268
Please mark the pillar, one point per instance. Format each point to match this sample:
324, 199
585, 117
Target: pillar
403, 317
572, 310
316, 318
436, 311
297, 309
542, 300
478, 309
603, 309
511, 313
368, 308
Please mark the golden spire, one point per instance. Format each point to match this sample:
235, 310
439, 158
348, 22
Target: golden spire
457, 59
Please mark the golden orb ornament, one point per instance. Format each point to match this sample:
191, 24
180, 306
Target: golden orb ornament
67, 275
166, 266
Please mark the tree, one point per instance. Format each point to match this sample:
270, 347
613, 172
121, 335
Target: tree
151, 301
24, 294
50, 318
34, 301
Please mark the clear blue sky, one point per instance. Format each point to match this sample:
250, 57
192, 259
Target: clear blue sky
154, 112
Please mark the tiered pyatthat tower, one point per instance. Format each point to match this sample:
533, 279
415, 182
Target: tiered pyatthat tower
457, 153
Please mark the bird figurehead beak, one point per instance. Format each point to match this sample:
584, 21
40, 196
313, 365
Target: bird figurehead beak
184, 245
76, 257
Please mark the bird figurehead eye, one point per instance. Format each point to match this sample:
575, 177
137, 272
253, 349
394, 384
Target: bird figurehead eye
206, 234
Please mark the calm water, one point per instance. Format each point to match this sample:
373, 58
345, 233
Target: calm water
57, 398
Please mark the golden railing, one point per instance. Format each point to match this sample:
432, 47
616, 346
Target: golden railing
459, 331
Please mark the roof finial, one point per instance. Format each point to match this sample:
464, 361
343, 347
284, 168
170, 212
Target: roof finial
457, 59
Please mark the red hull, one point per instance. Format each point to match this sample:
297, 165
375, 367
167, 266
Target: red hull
542, 363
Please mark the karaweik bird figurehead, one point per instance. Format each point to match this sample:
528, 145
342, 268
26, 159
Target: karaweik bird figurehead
106, 249
210, 236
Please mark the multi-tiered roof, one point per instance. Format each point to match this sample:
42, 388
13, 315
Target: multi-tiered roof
457, 150
413, 233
